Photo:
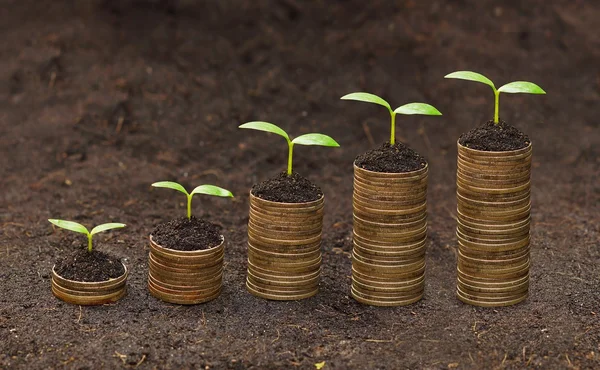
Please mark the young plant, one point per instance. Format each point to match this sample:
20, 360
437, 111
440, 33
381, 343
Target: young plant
511, 87
202, 189
79, 228
410, 108
307, 139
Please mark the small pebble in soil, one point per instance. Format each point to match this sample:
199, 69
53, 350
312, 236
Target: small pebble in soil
388, 158
287, 189
494, 137
185, 234
91, 266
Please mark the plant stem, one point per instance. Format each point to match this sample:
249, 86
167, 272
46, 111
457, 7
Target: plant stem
189, 206
496, 104
393, 134
290, 152
89, 242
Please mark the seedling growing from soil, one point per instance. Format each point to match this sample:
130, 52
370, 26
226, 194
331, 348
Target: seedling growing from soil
307, 139
202, 189
410, 108
511, 87
79, 228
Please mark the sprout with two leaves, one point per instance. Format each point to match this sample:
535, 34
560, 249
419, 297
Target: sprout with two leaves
79, 228
511, 87
411, 108
202, 189
307, 139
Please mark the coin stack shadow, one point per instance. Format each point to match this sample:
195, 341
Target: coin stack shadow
493, 196
185, 277
284, 249
389, 236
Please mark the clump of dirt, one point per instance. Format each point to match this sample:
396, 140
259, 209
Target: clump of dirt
494, 137
391, 158
185, 234
287, 189
87, 266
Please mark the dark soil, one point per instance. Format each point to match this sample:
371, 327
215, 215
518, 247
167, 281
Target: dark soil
287, 189
89, 266
185, 234
101, 98
494, 137
390, 158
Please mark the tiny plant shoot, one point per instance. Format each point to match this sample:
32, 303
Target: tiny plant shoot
411, 108
307, 139
511, 87
202, 189
79, 228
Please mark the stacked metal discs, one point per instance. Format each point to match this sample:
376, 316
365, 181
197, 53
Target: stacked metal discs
89, 293
185, 277
390, 232
493, 193
284, 249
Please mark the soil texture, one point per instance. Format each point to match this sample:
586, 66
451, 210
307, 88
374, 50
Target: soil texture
94, 266
185, 234
101, 98
287, 189
390, 158
494, 137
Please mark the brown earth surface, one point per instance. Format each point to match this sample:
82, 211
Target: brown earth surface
98, 99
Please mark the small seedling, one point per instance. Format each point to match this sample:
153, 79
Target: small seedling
79, 228
410, 108
511, 87
307, 139
202, 189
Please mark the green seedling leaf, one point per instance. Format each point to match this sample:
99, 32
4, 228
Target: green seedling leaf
521, 87
368, 98
418, 108
170, 185
212, 190
471, 76
70, 225
104, 227
265, 126
315, 139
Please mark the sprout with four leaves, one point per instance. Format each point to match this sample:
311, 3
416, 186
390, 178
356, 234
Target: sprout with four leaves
307, 139
511, 87
202, 189
79, 228
411, 108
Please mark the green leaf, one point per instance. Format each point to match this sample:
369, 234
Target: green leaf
471, 76
104, 227
212, 190
521, 87
266, 126
70, 225
418, 108
315, 139
170, 185
366, 97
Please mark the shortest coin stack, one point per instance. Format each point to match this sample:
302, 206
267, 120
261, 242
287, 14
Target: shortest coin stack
185, 277
494, 206
389, 237
284, 249
89, 293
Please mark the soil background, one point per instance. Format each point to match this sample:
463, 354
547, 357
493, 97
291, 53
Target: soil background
98, 99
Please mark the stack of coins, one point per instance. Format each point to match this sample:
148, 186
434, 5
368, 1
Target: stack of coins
284, 249
493, 193
185, 277
390, 232
89, 293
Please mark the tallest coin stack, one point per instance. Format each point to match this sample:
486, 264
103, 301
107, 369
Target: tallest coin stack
493, 196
